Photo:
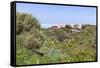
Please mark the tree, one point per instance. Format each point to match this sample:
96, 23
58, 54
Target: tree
25, 22
28, 32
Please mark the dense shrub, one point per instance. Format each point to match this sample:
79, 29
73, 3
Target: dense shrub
35, 45
26, 22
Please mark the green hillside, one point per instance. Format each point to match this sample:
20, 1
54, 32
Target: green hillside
36, 45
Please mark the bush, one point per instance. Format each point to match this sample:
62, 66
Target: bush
25, 22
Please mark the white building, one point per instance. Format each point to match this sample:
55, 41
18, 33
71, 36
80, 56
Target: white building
76, 26
60, 26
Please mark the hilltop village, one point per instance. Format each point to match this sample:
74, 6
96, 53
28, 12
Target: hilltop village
73, 28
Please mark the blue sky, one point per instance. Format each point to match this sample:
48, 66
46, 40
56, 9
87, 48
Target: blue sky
54, 14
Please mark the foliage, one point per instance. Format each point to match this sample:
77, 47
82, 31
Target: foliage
25, 22
35, 45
